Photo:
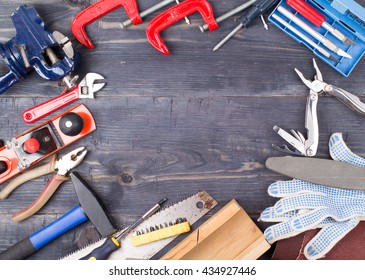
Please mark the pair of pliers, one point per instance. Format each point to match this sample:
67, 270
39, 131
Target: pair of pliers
319, 86
62, 165
90, 84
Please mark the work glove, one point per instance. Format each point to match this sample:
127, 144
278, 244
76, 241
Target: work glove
304, 206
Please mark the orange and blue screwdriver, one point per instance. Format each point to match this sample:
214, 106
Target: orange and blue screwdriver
111, 244
315, 17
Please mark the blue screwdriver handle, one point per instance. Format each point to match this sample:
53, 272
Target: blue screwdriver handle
37, 240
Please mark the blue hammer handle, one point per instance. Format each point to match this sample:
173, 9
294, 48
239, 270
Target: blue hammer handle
37, 240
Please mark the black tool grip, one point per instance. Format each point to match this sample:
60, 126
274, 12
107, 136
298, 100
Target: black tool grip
18, 251
103, 251
260, 7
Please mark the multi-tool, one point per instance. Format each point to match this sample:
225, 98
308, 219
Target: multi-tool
308, 146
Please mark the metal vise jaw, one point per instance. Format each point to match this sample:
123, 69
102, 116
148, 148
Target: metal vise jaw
51, 55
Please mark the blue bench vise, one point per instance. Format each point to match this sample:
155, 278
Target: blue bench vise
51, 55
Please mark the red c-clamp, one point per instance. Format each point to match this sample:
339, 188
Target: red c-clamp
98, 10
175, 14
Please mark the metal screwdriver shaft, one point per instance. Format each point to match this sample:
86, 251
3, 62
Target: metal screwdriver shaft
264, 22
259, 8
229, 36
148, 214
187, 20
147, 12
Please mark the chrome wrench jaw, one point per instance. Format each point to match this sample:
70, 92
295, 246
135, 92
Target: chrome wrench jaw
88, 86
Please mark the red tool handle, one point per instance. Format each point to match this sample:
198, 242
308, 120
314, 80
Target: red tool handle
307, 11
44, 109
98, 10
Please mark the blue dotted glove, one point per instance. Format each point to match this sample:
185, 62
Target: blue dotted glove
304, 206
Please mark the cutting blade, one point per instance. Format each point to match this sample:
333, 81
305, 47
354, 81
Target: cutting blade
191, 208
324, 172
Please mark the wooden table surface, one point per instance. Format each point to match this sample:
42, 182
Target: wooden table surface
169, 126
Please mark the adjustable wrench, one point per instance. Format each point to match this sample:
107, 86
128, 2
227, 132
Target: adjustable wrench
85, 89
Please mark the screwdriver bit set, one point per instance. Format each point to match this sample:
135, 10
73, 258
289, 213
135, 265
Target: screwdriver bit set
332, 29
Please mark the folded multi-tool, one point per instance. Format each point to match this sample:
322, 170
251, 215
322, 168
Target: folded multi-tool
308, 146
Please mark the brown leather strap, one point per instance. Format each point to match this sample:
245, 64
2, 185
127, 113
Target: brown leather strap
29, 175
42, 199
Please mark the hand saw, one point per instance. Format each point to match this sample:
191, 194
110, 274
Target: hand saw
191, 208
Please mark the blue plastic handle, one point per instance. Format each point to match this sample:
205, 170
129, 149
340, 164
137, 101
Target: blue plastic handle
68, 221
7, 81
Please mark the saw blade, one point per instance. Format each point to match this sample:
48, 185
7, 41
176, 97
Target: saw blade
191, 208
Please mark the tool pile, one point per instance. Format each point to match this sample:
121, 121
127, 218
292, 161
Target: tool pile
334, 36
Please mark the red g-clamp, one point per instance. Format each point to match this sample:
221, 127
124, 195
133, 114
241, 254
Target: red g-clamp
98, 10
175, 14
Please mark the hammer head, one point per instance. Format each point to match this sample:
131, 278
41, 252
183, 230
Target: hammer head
92, 206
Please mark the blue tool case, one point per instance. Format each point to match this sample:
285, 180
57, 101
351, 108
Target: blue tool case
347, 16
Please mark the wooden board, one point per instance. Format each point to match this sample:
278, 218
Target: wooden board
229, 235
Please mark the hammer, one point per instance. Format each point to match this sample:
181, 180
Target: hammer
89, 208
